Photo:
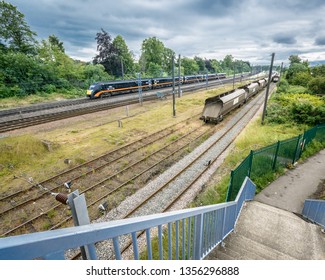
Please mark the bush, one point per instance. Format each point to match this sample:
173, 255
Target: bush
301, 79
317, 85
283, 86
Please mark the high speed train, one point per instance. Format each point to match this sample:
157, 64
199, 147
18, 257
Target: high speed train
101, 89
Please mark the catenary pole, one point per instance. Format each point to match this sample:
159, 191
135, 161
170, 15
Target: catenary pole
268, 88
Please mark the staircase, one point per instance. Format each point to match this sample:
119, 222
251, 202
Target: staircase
267, 232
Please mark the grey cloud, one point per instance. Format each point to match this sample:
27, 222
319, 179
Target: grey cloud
320, 41
284, 39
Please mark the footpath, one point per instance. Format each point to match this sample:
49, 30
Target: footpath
290, 190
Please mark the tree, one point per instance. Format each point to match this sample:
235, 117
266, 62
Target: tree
108, 55
228, 62
152, 50
294, 59
124, 55
15, 34
200, 62
190, 66
318, 71
294, 69
54, 41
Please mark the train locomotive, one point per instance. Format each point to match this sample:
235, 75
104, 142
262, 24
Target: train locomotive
216, 107
101, 89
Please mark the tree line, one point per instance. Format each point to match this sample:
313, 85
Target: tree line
30, 66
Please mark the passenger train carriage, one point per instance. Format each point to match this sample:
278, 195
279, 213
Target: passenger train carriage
101, 89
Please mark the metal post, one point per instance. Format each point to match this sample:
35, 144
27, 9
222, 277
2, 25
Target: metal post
233, 81
281, 72
251, 155
268, 88
122, 68
173, 74
179, 75
276, 155
230, 186
140, 88
206, 80
80, 217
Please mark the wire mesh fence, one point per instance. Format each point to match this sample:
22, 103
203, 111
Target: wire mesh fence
269, 159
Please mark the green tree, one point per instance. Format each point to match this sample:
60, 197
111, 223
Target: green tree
54, 41
95, 73
124, 55
294, 59
228, 62
190, 66
152, 51
318, 71
317, 85
294, 69
200, 62
15, 34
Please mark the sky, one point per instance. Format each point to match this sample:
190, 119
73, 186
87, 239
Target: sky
249, 30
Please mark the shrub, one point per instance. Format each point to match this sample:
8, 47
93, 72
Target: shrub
317, 85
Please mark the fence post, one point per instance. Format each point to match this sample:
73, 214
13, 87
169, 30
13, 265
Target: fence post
276, 155
80, 217
250, 163
297, 146
230, 186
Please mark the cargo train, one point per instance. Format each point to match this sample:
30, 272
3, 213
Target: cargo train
216, 107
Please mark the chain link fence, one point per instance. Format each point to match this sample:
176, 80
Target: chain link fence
269, 159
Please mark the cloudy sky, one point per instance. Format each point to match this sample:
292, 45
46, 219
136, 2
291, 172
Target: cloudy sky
248, 29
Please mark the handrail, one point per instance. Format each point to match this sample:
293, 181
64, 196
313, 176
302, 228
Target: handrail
314, 210
198, 231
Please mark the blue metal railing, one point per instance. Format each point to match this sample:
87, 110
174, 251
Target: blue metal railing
314, 210
197, 231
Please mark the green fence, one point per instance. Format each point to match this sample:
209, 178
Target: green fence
268, 159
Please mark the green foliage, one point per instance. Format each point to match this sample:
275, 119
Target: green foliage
318, 71
124, 55
283, 86
301, 79
296, 108
317, 85
294, 70
15, 34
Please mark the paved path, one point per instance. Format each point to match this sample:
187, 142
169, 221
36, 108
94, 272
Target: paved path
289, 191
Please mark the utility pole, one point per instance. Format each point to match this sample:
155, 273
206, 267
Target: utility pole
281, 72
268, 88
233, 80
122, 68
179, 75
173, 71
140, 88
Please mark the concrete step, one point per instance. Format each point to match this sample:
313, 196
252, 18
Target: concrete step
266, 232
249, 248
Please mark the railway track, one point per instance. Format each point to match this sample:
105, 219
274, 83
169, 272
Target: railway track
110, 177
18, 118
